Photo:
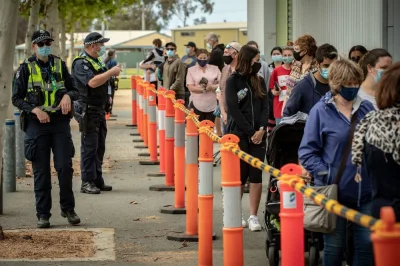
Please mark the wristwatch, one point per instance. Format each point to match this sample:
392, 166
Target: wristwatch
204, 90
262, 128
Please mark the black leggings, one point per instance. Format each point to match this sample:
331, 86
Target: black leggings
246, 170
203, 115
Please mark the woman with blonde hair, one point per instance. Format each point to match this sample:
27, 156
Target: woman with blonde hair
325, 153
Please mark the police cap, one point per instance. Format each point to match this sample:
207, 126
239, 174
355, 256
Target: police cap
95, 37
41, 35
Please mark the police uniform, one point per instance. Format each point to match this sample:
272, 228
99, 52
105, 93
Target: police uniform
90, 113
43, 84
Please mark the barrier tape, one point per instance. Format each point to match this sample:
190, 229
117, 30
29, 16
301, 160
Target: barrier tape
330, 205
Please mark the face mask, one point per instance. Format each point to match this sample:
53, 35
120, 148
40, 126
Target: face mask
170, 53
202, 63
287, 60
209, 46
324, 73
277, 58
255, 68
297, 55
355, 59
227, 59
379, 74
187, 50
44, 51
349, 93
115, 57
102, 51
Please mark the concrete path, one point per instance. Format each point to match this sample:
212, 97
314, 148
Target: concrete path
140, 228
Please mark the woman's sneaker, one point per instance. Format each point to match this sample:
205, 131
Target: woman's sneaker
244, 222
254, 225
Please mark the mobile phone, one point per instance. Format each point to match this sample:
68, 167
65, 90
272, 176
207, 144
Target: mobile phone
203, 81
277, 88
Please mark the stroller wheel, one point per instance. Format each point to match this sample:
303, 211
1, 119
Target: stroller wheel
273, 256
313, 256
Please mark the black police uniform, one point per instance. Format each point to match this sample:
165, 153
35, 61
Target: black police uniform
90, 113
42, 138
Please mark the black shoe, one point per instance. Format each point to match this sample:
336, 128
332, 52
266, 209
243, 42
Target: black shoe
43, 223
72, 217
105, 188
89, 188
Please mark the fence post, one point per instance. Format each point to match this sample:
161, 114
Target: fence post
20, 170
134, 97
10, 182
169, 145
179, 163
386, 240
292, 216
231, 191
205, 195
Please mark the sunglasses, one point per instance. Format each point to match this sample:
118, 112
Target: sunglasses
170, 49
41, 44
229, 47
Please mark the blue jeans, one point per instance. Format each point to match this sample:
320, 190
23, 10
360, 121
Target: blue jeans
335, 243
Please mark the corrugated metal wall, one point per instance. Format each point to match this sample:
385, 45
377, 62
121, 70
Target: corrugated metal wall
342, 23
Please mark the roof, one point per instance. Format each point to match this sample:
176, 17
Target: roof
216, 26
116, 37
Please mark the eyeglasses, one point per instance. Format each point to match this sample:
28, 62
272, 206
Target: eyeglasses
170, 49
229, 47
41, 44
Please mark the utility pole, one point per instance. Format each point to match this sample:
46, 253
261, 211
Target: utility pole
103, 27
143, 16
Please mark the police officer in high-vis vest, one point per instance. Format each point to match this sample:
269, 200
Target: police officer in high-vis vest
93, 81
44, 91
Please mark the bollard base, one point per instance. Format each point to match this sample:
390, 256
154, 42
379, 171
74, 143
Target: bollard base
135, 134
170, 209
142, 154
156, 175
141, 147
186, 238
137, 140
112, 119
149, 162
161, 188
131, 125
113, 115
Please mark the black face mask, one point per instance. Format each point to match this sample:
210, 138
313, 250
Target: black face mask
297, 55
227, 59
255, 68
355, 59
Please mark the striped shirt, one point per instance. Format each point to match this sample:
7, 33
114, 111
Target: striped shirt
296, 75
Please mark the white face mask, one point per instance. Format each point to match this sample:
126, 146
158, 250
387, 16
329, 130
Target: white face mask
115, 56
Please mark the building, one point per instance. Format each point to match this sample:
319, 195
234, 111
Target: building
131, 46
342, 23
227, 32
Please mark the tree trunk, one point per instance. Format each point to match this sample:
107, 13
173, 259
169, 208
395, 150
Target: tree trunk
52, 25
71, 46
8, 35
32, 26
63, 39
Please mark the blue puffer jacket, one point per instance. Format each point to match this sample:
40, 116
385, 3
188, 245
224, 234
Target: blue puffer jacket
322, 147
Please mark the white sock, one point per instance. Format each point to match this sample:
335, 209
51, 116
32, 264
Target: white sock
253, 216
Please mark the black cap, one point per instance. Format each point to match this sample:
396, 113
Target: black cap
41, 35
95, 37
191, 44
171, 43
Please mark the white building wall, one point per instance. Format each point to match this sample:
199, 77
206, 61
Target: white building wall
342, 23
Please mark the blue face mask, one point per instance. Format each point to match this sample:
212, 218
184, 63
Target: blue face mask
187, 50
277, 58
202, 63
170, 53
44, 51
324, 73
102, 51
349, 93
379, 74
287, 60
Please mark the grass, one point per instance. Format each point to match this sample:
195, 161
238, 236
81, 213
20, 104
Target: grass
125, 83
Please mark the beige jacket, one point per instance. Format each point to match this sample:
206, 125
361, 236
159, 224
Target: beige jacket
174, 75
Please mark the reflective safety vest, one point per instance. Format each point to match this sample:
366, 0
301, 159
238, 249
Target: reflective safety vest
35, 80
97, 65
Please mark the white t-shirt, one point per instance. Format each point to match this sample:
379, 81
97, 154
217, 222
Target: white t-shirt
367, 97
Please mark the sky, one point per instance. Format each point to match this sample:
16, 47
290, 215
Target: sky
229, 10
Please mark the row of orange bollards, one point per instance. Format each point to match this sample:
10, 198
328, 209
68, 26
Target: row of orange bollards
187, 164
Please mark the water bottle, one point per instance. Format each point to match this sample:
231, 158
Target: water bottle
241, 94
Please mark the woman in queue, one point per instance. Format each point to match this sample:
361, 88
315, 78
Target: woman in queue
325, 153
247, 101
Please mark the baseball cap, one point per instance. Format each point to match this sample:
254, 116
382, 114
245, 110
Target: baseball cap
95, 37
235, 45
191, 44
41, 35
170, 43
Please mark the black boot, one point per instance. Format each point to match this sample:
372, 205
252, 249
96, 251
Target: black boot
105, 187
72, 217
43, 222
89, 188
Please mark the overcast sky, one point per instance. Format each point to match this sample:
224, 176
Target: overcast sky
229, 10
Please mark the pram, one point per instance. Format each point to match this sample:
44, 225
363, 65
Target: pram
283, 145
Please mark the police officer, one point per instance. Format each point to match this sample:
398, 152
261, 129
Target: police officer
44, 91
92, 79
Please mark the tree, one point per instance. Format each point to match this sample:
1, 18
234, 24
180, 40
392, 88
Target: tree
8, 30
32, 25
183, 9
51, 24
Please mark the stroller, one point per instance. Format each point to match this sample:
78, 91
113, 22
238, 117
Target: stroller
283, 145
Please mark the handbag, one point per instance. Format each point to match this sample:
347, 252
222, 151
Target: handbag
317, 218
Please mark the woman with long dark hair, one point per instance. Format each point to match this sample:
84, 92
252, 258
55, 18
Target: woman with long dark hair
247, 101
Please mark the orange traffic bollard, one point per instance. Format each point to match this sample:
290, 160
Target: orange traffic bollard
386, 240
139, 90
134, 116
205, 195
231, 187
291, 215
161, 128
169, 146
179, 163
144, 123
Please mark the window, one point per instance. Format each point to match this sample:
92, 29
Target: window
244, 33
187, 33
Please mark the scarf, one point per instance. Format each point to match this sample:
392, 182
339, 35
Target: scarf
381, 129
